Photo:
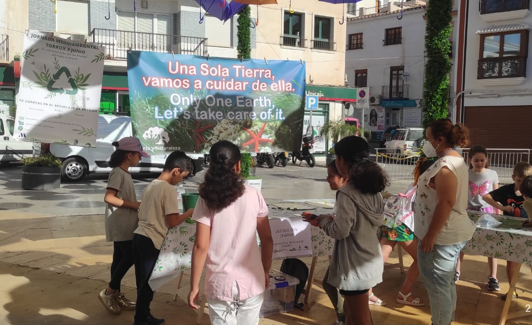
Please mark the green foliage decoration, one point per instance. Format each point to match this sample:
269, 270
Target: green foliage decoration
245, 165
244, 34
438, 65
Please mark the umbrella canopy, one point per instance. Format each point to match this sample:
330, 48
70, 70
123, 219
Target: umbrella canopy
340, 1
220, 9
257, 2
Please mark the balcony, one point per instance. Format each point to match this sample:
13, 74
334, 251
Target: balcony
4, 48
395, 92
293, 41
323, 45
117, 43
502, 71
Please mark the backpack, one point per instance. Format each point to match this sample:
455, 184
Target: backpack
298, 269
398, 209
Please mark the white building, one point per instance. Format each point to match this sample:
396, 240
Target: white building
386, 52
494, 95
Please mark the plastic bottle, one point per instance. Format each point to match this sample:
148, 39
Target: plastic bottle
180, 190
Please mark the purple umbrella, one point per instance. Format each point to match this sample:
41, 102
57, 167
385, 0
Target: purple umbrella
220, 9
343, 2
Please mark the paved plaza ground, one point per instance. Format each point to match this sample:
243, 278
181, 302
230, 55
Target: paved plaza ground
54, 260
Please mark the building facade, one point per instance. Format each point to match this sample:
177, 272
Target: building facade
309, 31
494, 94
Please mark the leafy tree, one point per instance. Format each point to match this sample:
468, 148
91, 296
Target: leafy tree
244, 34
438, 66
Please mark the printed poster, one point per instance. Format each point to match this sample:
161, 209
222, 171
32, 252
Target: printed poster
60, 88
189, 103
291, 237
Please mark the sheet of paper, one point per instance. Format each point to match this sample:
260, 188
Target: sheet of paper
291, 237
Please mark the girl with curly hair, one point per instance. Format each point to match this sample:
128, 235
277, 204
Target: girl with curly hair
228, 216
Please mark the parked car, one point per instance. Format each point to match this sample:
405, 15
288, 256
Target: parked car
403, 141
387, 136
78, 162
11, 150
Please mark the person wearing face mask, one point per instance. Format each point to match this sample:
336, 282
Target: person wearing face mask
441, 221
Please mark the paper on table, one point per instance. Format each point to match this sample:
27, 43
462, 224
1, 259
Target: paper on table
291, 237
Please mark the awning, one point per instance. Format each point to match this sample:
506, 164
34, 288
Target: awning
503, 28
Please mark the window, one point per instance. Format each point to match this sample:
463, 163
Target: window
396, 82
352, 8
356, 41
393, 36
322, 33
73, 17
503, 55
361, 78
2, 132
493, 6
11, 126
143, 31
413, 135
292, 30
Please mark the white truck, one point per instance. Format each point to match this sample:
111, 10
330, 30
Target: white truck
81, 161
11, 150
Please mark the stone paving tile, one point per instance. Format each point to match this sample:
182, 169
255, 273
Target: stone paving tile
70, 233
24, 259
38, 234
60, 223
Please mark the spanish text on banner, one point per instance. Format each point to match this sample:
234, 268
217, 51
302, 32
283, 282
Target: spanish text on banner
60, 88
189, 103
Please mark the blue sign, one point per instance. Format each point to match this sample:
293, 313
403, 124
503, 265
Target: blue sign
312, 102
399, 103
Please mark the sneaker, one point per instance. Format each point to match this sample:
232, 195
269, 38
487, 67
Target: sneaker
493, 284
123, 302
109, 302
514, 296
149, 321
456, 276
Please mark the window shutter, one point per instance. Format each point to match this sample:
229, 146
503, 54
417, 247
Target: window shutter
126, 21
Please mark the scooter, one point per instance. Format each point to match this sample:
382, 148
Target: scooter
304, 154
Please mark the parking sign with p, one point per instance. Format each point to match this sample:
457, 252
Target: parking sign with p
312, 102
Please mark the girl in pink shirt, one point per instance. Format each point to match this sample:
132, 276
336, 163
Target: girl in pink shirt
228, 216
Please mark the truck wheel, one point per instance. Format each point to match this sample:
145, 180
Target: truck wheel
311, 161
271, 161
73, 170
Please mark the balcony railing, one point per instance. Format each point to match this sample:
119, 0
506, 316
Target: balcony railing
117, 43
493, 6
323, 45
293, 40
501, 68
395, 92
4, 48
369, 10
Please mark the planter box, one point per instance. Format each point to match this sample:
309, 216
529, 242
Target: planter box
41, 178
330, 158
254, 182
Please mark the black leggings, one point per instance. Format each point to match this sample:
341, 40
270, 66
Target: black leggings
145, 255
122, 262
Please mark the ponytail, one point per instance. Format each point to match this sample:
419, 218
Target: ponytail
222, 185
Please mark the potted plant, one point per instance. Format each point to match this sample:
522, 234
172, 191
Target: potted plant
247, 168
41, 173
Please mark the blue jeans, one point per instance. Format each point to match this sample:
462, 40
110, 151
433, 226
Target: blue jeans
437, 271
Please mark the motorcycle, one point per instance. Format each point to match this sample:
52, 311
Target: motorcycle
267, 158
304, 154
281, 158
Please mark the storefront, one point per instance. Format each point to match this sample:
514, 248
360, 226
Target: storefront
405, 113
332, 103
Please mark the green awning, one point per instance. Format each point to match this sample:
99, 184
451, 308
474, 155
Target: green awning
115, 81
7, 76
332, 93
